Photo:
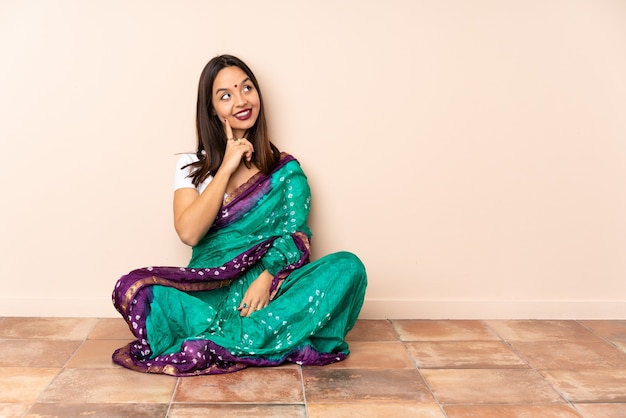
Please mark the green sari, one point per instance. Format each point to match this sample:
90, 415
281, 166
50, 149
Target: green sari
186, 320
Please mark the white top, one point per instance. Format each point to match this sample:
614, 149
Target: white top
181, 179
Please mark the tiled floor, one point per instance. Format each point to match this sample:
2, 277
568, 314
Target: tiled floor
53, 367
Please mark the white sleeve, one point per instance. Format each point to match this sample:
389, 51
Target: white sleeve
181, 177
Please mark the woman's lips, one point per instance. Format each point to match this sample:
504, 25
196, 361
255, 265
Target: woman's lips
243, 115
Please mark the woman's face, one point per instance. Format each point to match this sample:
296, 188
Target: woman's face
236, 99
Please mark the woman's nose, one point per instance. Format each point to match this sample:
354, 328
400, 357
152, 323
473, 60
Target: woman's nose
240, 100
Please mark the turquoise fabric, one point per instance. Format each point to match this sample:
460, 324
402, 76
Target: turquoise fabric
315, 305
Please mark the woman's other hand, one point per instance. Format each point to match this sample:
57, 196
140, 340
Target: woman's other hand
257, 296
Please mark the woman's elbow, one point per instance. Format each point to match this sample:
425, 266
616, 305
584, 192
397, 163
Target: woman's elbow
187, 237
190, 242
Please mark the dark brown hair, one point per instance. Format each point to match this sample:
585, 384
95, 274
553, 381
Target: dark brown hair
210, 130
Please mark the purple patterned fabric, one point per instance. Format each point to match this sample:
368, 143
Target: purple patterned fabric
274, 209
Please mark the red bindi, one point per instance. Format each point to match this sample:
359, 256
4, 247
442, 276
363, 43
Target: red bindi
235, 85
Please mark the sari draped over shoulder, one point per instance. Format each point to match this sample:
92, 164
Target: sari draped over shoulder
185, 319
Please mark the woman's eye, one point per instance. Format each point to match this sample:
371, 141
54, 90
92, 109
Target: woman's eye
225, 96
247, 88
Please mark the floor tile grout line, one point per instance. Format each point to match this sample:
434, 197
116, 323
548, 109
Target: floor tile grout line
393, 328
605, 339
56, 376
404, 346
516, 352
508, 344
171, 402
419, 371
573, 405
98, 322
551, 386
62, 368
530, 366
80, 345
301, 374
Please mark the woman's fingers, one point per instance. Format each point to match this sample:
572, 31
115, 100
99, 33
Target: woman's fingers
247, 308
242, 146
244, 309
228, 130
249, 150
245, 146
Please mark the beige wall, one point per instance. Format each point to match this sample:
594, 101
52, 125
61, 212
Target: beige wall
473, 153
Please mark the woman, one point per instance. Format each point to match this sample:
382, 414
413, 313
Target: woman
249, 296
